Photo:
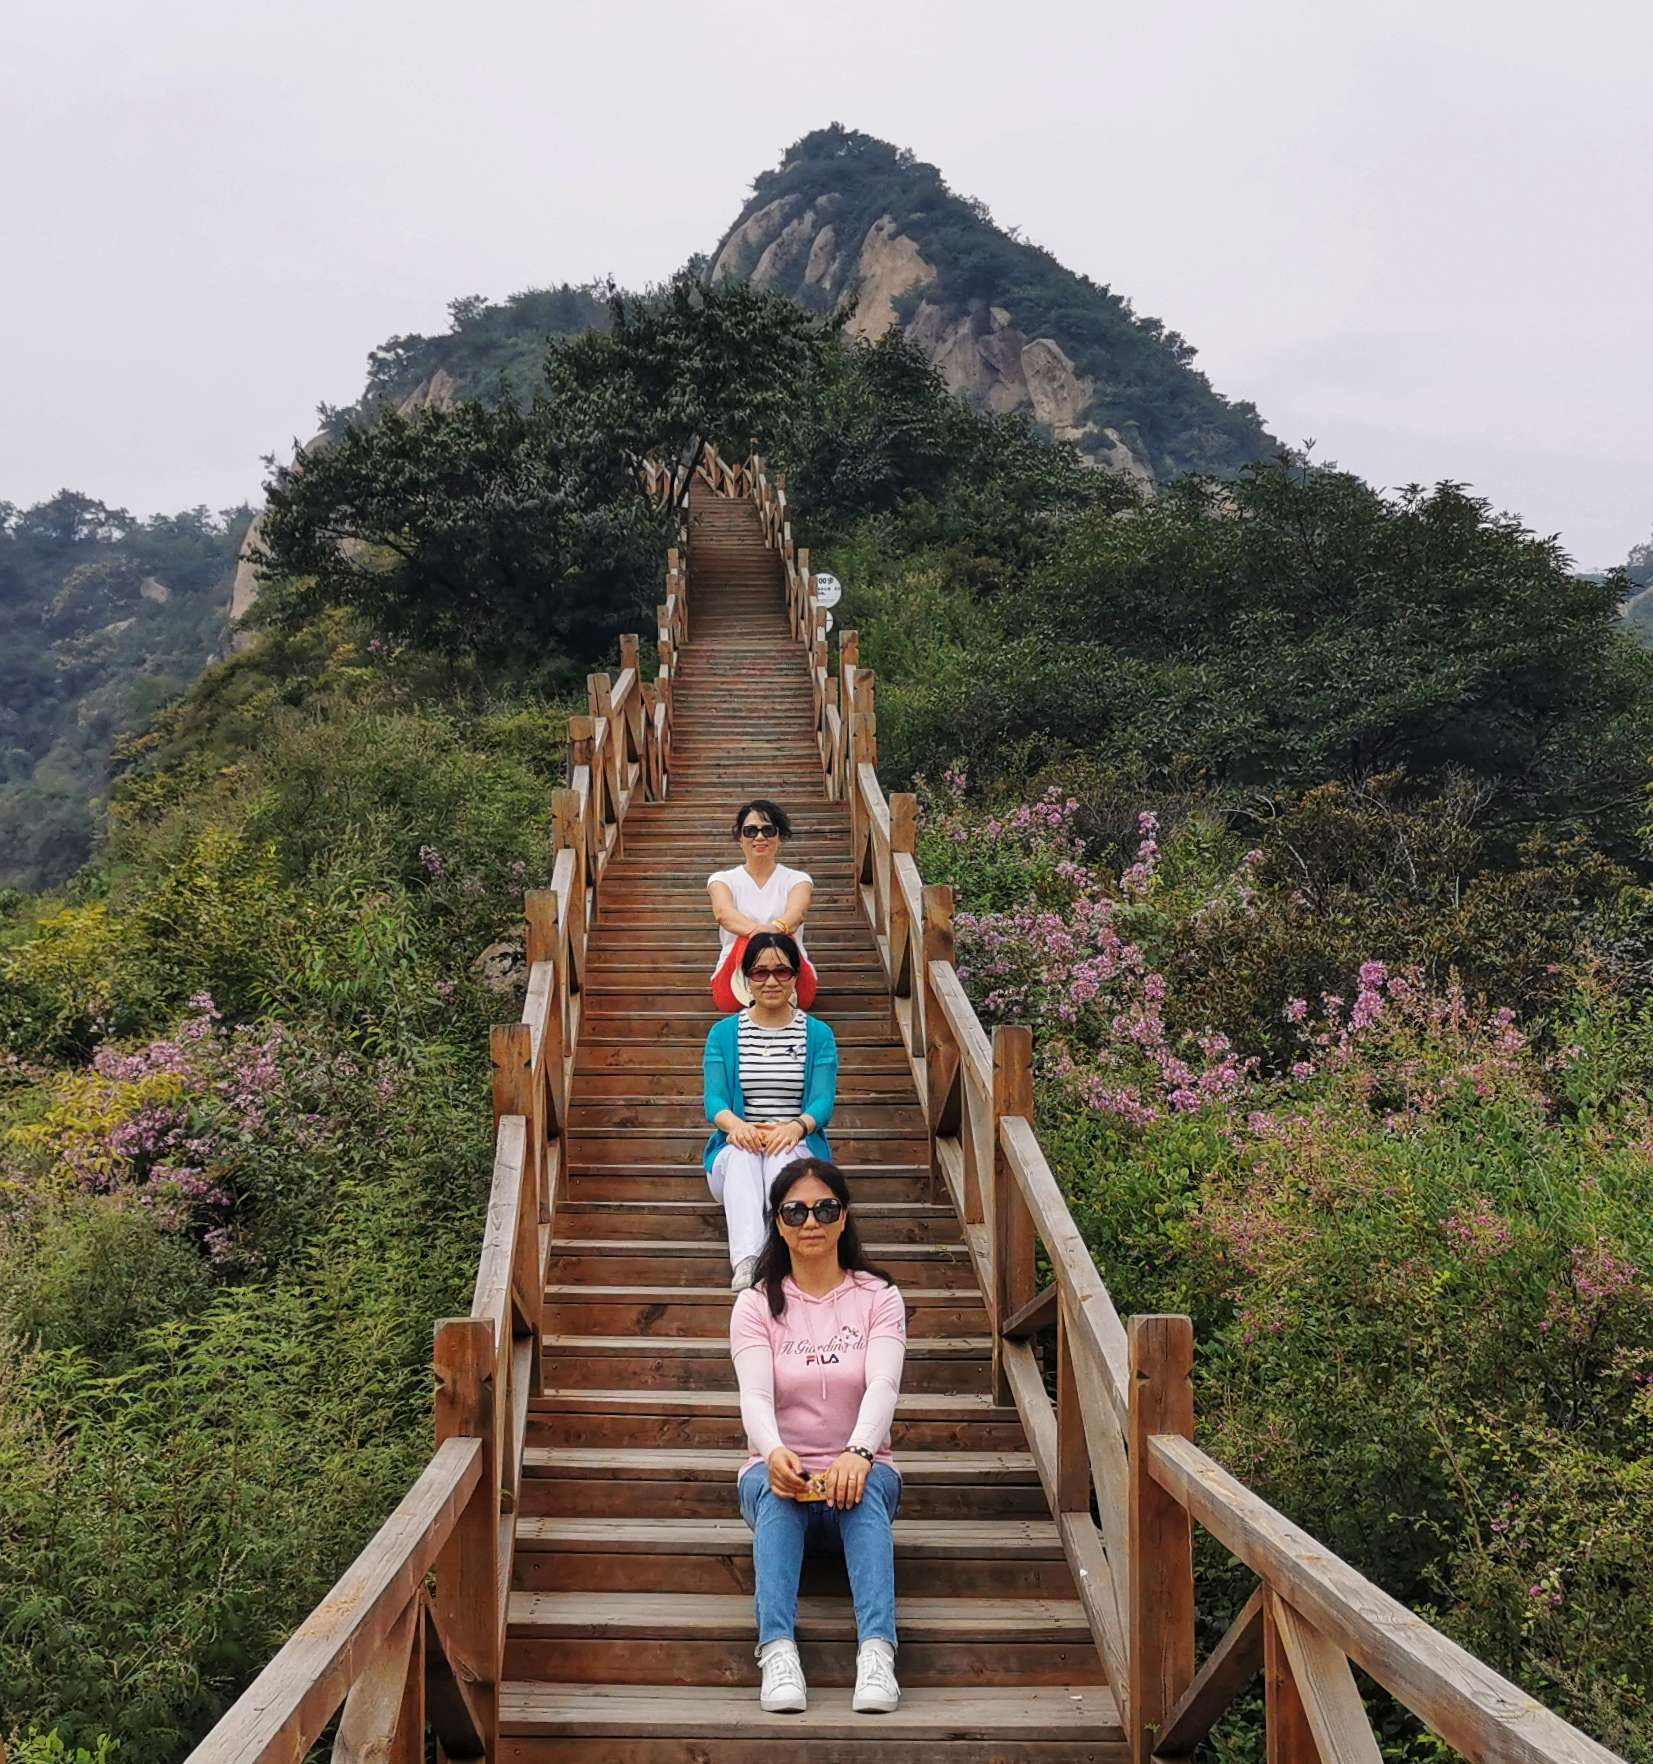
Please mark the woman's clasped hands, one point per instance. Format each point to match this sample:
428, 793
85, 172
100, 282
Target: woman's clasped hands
846, 1478
768, 1136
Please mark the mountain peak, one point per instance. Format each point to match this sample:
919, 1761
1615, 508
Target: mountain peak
846, 216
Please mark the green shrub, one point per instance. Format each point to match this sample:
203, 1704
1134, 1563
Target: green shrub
92, 1274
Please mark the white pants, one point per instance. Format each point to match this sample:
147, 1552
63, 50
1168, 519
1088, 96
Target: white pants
740, 1179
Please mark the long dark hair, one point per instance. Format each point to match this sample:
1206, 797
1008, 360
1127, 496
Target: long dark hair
759, 941
775, 1259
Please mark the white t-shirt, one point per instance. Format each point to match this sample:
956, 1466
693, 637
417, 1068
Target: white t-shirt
762, 904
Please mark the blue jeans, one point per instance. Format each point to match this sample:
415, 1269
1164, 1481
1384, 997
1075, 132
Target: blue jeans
783, 1530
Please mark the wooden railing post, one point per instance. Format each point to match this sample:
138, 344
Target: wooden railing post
903, 841
1161, 1534
863, 750
540, 916
1073, 1463
466, 1602
1015, 1244
511, 1048
600, 688
941, 1055
1289, 1738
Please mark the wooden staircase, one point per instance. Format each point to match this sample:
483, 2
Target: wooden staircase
630, 1627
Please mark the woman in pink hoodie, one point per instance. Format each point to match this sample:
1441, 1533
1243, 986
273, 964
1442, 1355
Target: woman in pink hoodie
818, 1342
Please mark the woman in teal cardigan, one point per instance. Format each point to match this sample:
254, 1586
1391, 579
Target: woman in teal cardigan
771, 1080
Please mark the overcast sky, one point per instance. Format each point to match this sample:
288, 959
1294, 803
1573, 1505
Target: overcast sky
1420, 233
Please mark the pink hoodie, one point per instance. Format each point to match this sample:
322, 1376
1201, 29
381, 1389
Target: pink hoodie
824, 1374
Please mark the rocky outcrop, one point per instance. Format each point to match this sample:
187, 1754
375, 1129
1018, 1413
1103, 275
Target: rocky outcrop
790, 250
436, 393
244, 589
890, 266
982, 354
747, 243
1058, 396
824, 266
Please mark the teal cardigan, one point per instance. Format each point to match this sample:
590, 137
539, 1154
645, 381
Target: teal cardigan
722, 1070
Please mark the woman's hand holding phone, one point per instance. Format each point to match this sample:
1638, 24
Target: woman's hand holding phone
786, 1473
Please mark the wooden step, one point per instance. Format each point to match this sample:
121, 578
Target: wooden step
640, 1184
608, 1115
699, 1482
632, 1054
687, 1084
650, 1362
630, 1261
679, 1148
708, 1638
700, 1310
924, 1420
946, 1557
847, 1026
701, 1222
703, 1724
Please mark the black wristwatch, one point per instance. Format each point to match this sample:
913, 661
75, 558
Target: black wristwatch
861, 1452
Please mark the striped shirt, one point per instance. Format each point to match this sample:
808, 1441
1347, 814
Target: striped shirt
772, 1068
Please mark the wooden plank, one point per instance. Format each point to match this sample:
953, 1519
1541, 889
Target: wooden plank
1161, 1538
1014, 1244
1326, 1687
384, 1715
1070, 1259
708, 1713
464, 1607
1474, 1709
500, 1225
963, 1025
1288, 1738
284, 1709
1087, 1562
1038, 1313
1228, 1669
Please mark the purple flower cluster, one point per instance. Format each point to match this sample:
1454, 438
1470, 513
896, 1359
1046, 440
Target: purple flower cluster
167, 1122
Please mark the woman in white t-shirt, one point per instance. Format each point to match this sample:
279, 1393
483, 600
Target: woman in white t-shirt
759, 894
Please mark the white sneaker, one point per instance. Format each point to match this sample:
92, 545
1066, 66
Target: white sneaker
743, 1274
783, 1679
876, 1692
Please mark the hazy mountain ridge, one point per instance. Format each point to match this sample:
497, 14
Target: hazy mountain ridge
103, 618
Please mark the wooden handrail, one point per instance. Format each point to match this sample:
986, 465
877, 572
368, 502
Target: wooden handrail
1123, 1412
396, 1659
1474, 1709
284, 1709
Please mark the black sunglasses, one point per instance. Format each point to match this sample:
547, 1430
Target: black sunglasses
794, 1213
781, 974
759, 830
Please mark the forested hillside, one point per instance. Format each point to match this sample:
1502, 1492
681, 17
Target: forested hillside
103, 618
1306, 825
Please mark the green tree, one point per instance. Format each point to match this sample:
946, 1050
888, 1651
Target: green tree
689, 363
473, 531
1298, 626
